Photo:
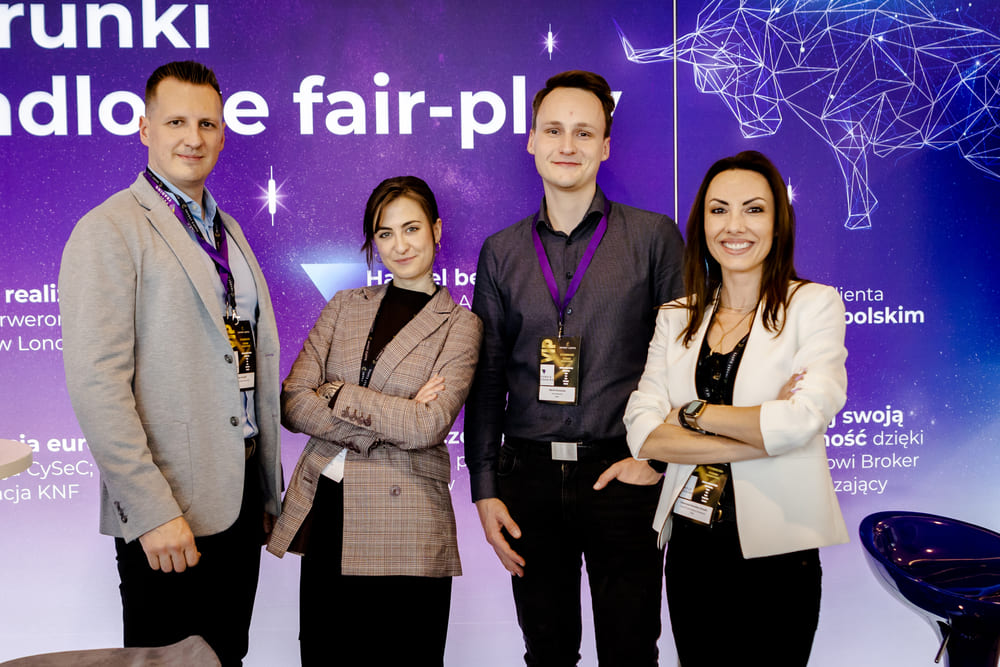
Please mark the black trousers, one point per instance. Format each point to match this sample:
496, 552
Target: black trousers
564, 520
213, 599
729, 610
366, 621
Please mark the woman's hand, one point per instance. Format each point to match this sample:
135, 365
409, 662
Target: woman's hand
790, 386
430, 390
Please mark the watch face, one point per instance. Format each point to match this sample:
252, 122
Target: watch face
693, 408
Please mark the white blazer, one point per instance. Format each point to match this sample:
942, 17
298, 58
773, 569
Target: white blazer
784, 502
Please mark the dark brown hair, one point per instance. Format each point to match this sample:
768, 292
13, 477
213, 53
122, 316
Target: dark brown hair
702, 273
389, 191
588, 81
187, 71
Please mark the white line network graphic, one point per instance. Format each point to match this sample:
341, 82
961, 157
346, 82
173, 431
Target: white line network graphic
868, 76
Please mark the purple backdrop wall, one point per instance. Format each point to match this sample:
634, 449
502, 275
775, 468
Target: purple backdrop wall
330, 98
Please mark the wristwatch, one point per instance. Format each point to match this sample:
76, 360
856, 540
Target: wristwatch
688, 416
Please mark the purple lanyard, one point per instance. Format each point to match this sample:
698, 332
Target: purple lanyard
219, 256
581, 269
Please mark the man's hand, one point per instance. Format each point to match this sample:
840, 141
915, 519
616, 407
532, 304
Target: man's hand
493, 515
629, 471
170, 547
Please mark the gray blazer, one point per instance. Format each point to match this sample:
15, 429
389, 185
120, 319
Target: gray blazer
151, 372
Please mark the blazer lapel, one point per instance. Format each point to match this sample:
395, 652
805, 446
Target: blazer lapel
188, 253
243, 247
421, 327
351, 329
694, 352
755, 354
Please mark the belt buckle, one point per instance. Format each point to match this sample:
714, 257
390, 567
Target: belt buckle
564, 451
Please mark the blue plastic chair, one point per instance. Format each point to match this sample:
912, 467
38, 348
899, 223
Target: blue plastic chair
948, 571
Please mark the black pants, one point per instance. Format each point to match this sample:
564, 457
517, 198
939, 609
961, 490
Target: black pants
728, 610
370, 621
563, 519
213, 599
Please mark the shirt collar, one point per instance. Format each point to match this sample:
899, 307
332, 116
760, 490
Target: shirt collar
590, 218
204, 217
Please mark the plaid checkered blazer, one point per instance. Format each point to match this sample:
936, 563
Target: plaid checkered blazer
398, 517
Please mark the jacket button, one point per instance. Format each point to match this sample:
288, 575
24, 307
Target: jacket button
395, 491
234, 421
229, 358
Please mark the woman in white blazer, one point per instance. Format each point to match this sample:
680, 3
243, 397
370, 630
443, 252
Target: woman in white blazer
742, 378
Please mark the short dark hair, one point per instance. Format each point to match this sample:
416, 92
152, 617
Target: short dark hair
702, 273
583, 80
389, 191
187, 71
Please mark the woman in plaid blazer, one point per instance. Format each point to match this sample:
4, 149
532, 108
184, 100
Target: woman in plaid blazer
378, 385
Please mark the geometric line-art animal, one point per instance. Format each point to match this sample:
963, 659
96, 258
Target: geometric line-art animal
869, 77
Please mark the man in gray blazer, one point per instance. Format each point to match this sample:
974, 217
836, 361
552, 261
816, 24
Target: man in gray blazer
171, 355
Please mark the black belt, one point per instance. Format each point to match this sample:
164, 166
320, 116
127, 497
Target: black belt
562, 450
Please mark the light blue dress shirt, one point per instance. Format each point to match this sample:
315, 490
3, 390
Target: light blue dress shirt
246, 288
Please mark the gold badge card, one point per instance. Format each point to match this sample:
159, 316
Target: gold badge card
241, 338
701, 494
559, 370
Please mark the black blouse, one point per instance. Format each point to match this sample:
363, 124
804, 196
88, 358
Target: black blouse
398, 307
714, 379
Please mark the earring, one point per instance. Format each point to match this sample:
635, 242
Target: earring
438, 246
378, 258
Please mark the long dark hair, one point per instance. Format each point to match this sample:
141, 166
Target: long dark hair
702, 273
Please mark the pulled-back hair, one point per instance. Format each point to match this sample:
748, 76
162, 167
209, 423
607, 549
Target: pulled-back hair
389, 191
